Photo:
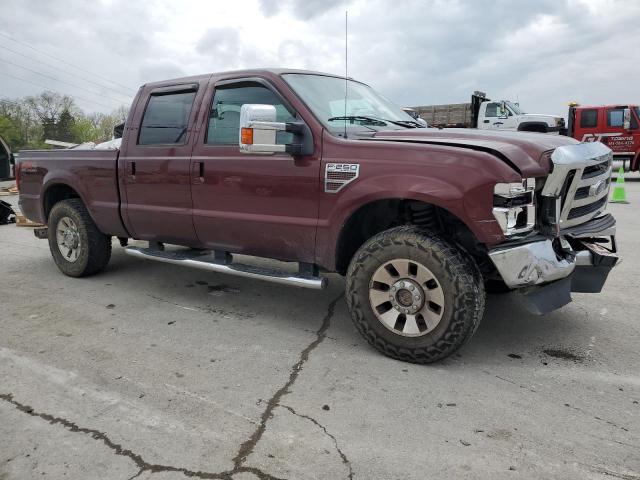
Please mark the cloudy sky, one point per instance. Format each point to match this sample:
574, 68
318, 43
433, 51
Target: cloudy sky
543, 53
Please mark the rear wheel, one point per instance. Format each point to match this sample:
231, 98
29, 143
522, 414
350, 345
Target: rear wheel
77, 246
414, 296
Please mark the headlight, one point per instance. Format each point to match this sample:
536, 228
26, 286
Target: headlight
514, 206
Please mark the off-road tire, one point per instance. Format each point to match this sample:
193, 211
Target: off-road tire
454, 269
95, 247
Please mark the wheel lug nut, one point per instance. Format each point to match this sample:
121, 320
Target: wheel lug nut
411, 287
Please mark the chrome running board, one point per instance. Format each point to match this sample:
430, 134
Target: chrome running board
205, 260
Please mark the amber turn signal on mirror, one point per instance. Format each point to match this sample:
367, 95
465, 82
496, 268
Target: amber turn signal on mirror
247, 136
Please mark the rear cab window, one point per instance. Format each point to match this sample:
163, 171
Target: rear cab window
166, 118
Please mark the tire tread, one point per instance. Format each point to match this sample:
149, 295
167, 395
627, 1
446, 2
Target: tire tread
468, 306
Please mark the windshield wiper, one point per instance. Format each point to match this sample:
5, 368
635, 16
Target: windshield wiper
369, 120
405, 123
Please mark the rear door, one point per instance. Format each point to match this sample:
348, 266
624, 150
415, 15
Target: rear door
155, 167
264, 205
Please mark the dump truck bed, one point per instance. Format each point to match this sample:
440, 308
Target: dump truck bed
447, 115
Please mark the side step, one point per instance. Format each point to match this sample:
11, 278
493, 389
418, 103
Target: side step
205, 260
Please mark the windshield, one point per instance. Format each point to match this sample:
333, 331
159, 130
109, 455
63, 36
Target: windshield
365, 108
515, 108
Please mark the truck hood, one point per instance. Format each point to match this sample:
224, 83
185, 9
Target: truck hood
521, 150
539, 117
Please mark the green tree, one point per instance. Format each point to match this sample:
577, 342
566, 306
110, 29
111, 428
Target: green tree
10, 132
64, 126
84, 130
50, 115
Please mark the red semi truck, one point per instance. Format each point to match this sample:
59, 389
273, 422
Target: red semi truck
279, 164
617, 126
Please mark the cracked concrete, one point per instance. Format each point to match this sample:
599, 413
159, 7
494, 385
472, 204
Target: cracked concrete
141, 372
245, 449
344, 458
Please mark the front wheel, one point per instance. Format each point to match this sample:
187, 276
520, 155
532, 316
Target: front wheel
413, 296
77, 246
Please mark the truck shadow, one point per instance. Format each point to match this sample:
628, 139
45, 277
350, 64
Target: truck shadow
507, 327
509, 331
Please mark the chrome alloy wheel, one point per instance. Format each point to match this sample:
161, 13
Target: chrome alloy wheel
68, 239
406, 297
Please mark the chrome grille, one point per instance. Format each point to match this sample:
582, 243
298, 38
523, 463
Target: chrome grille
587, 209
580, 182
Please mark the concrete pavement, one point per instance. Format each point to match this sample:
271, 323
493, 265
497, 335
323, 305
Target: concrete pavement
154, 371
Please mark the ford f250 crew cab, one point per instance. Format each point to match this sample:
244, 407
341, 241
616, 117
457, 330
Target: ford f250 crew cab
279, 164
485, 114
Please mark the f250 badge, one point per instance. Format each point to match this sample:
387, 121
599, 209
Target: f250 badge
339, 175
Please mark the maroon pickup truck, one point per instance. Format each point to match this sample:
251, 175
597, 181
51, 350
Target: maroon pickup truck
283, 164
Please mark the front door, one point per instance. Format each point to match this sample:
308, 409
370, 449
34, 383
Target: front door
493, 117
497, 118
155, 167
620, 139
263, 205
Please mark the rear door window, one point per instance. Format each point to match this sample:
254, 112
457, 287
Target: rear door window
589, 118
166, 119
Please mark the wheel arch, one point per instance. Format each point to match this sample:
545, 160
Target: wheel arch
57, 192
382, 214
540, 127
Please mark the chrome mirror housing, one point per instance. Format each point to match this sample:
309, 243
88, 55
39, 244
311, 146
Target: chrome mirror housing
258, 128
627, 118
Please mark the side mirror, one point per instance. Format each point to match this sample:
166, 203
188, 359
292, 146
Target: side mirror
626, 119
503, 113
258, 128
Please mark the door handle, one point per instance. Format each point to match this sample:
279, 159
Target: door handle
132, 169
197, 172
486, 121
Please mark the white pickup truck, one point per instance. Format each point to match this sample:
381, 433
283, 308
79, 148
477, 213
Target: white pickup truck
485, 114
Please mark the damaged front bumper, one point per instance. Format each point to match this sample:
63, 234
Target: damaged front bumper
546, 271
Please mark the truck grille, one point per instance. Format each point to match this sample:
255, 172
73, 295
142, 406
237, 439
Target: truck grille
596, 170
579, 181
587, 209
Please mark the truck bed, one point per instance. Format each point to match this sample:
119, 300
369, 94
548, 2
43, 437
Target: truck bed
91, 174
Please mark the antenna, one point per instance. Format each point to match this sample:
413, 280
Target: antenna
346, 23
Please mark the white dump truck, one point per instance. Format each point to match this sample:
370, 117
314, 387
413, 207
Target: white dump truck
486, 114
